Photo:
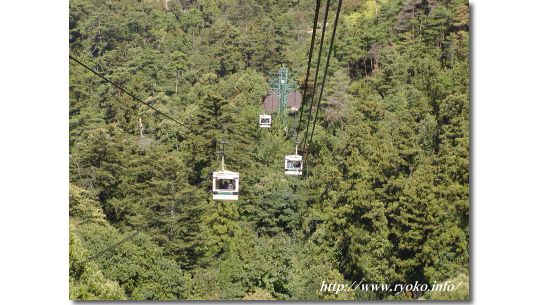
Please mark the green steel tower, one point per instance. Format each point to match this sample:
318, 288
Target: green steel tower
282, 86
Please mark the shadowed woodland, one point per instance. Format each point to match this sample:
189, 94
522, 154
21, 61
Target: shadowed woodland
385, 195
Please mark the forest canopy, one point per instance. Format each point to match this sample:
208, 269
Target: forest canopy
385, 198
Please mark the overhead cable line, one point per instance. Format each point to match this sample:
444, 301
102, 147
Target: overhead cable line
111, 247
312, 41
324, 74
128, 93
317, 70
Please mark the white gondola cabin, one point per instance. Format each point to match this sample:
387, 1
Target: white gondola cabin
293, 164
225, 185
265, 121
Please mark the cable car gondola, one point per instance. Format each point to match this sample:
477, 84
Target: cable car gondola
293, 164
225, 183
265, 121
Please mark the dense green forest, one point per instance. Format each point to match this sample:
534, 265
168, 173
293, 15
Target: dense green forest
386, 198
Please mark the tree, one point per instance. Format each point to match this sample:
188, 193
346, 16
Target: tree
86, 280
385, 195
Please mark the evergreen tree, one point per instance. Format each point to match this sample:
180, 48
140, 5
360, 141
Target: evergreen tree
386, 195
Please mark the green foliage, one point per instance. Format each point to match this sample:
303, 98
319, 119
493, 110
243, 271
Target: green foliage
83, 207
138, 264
386, 198
86, 280
462, 293
278, 208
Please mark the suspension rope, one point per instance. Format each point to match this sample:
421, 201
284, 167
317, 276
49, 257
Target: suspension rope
128, 93
312, 41
317, 69
324, 74
111, 247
